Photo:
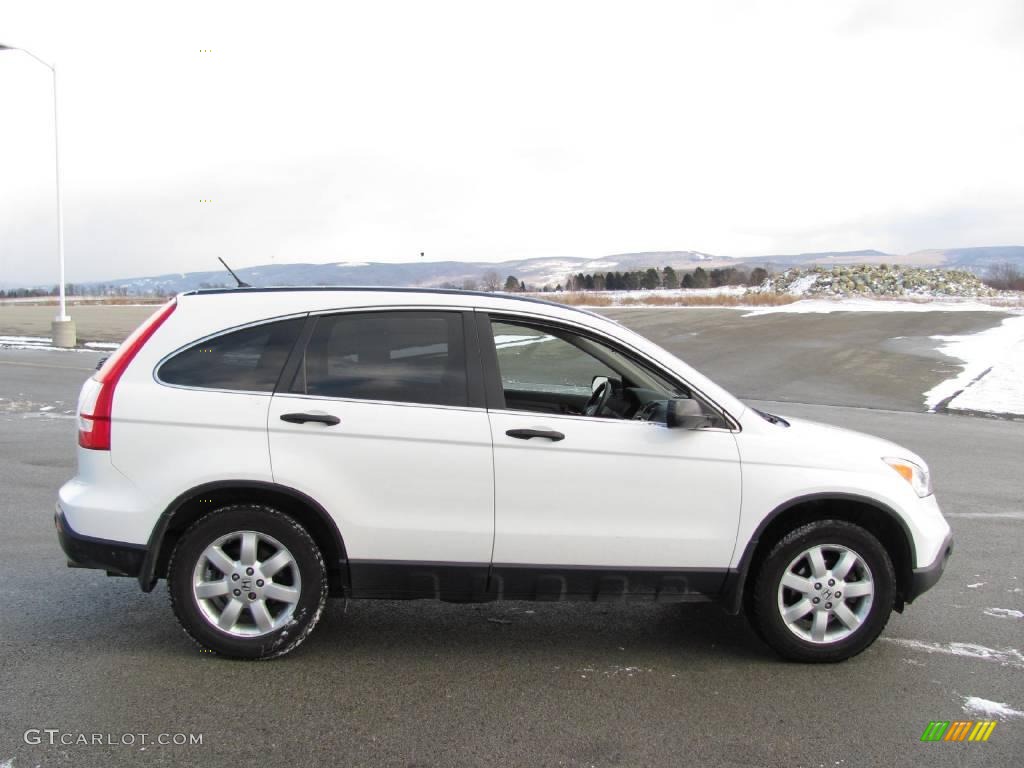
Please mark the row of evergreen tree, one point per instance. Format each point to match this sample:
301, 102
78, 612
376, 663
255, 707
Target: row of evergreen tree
652, 279
641, 279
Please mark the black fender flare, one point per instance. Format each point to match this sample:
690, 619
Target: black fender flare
733, 589
147, 572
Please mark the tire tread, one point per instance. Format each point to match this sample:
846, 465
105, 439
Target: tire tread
279, 648
764, 609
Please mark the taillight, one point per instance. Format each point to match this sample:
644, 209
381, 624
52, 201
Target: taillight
96, 403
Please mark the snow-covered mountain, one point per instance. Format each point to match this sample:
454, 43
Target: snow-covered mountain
538, 272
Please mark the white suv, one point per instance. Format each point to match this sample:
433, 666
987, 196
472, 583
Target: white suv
263, 449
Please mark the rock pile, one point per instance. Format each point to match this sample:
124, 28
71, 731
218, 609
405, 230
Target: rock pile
876, 280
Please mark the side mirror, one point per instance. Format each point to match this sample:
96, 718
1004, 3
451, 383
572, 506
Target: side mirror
686, 413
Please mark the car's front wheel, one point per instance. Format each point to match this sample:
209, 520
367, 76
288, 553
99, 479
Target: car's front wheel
247, 582
824, 592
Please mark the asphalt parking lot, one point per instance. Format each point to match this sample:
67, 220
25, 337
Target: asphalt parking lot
510, 684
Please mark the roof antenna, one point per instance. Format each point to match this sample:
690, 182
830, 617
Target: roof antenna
241, 283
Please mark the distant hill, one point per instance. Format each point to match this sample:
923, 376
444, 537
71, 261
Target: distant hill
978, 259
538, 272
828, 257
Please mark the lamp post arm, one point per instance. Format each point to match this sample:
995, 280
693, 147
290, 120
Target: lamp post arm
44, 63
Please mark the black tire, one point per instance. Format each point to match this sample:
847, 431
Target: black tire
766, 614
297, 616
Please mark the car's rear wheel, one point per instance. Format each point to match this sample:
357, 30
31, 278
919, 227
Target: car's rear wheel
247, 582
824, 592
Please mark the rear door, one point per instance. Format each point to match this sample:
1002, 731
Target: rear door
381, 420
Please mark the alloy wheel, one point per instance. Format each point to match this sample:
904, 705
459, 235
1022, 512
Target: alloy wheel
825, 593
246, 584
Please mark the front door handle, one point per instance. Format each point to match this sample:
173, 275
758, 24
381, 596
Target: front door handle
526, 434
302, 418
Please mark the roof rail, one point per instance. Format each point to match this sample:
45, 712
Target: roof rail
387, 289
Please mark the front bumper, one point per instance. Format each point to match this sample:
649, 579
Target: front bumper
923, 579
115, 557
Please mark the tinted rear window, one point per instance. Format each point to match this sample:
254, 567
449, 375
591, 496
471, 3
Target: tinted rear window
249, 360
408, 356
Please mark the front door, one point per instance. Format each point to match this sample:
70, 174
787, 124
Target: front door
603, 499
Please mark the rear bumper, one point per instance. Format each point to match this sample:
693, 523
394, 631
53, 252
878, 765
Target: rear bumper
923, 579
115, 557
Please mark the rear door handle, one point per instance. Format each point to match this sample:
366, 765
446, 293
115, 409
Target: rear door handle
526, 434
302, 418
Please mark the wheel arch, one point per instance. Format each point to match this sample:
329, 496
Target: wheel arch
877, 518
200, 501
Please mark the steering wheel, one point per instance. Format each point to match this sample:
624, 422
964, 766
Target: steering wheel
649, 411
598, 399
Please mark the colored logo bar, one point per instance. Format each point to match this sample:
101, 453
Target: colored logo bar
958, 730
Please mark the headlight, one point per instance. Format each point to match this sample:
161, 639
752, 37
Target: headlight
918, 476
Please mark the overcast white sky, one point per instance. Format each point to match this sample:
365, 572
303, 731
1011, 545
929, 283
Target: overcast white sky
373, 131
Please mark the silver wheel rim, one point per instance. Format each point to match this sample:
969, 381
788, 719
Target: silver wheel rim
825, 593
246, 584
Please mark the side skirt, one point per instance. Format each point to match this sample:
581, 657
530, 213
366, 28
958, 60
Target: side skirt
481, 582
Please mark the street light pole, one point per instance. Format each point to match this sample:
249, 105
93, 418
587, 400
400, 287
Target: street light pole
63, 316
63, 327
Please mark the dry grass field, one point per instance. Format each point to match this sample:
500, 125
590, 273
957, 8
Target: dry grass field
95, 322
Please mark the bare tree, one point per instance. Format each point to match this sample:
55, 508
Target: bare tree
491, 280
1005, 277
469, 284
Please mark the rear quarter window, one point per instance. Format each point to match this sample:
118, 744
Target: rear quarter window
395, 356
248, 360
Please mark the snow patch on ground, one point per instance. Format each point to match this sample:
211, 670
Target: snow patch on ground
27, 409
42, 342
974, 705
998, 351
618, 297
25, 342
1004, 613
1006, 657
33, 342
826, 306
977, 584
1001, 390
502, 341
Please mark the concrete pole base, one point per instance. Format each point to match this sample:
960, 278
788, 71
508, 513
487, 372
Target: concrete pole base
64, 333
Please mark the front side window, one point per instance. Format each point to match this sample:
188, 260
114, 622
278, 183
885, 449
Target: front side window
248, 360
532, 360
400, 356
552, 370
